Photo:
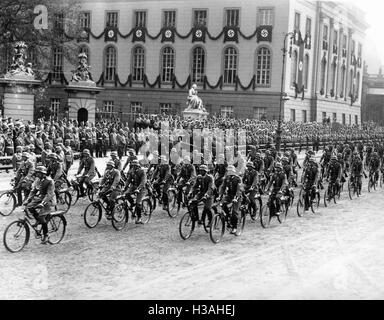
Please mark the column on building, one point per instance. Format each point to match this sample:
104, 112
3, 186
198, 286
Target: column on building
319, 52
348, 63
328, 74
338, 61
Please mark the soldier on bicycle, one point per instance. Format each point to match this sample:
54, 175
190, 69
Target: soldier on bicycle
310, 181
41, 199
231, 190
334, 172
374, 165
110, 185
136, 184
88, 164
186, 178
357, 169
202, 191
278, 182
24, 177
251, 180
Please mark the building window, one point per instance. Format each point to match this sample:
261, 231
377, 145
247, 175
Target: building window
357, 92
308, 26
324, 115
332, 76
350, 119
112, 19
140, 19
168, 64
232, 17
200, 17
58, 22
306, 71
226, 111
322, 74
335, 36
57, 63
293, 68
136, 108
293, 115
85, 49
165, 108
343, 118
356, 119
265, 17
198, 65
263, 73
344, 46
304, 115
297, 22
138, 64
259, 113
353, 47
169, 18
85, 20
110, 64
325, 38
108, 109
342, 83
334, 116
55, 107
230, 65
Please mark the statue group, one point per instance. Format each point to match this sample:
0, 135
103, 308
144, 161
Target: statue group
193, 100
82, 73
18, 67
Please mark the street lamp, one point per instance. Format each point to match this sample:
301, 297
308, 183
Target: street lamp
283, 96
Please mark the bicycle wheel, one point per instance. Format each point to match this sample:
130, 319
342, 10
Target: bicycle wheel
172, 204
56, 228
119, 218
91, 193
216, 231
300, 209
146, 212
284, 209
205, 220
315, 203
326, 200
255, 209
351, 190
241, 223
370, 185
186, 226
265, 216
92, 214
7, 203
118, 212
16, 236
63, 201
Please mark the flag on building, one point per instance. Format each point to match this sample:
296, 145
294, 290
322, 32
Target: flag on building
231, 34
110, 34
139, 34
168, 34
300, 81
264, 33
198, 33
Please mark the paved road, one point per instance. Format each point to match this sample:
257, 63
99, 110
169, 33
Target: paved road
333, 254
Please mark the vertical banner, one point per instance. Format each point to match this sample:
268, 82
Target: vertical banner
301, 64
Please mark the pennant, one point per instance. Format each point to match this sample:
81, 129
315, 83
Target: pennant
264, 33
301, 64
139, 34
231, 34
198, 33
168, 34
110, 34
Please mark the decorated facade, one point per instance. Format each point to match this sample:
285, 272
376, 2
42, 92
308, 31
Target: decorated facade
147, 54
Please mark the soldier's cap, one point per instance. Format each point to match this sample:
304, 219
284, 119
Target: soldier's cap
19, 148
114, 153
135, 162
187, 158
231, 168
284, 159
58, 149
86, 151
131, 150
41, 169
278, 165
26, 148
333, 157
203, 167
53, 155
25, 154
250, 164
111, 163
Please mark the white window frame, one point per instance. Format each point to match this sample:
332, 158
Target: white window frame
198, 64
226, 111
230, 65
55, 107
263, 66
165, 107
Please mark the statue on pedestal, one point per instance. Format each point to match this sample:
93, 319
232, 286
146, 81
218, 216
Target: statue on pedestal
193, 100
82, 73
18, 69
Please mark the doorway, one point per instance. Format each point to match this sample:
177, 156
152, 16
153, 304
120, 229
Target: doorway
82, 115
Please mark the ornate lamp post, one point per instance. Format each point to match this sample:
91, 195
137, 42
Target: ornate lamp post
283, 96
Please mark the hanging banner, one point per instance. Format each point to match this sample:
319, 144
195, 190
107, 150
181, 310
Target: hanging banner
198, 34
168, 34
264, 33
231, 34
139, 34
110, 34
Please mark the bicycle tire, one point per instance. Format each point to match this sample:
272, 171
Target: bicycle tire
187, 222
91, 193
22, 226
65, 201
350, 190
204, 218
118, 213
120, 225
172, 204
283, 216
325, 197
300, 207
241, 224
255, 211
7, 203
55, 222
265, 217
217, 225
146, 212
75, 193
92, 210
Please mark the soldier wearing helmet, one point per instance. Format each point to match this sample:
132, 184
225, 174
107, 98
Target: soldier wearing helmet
41, 199
374, 166
110, 185
278, 182
334, 172
251, 180
357, 170
88, 164
310, 181
24, 177
231, 190
220, 170
163, 177
116, 160
136, 184
202, 191
55, 170
186, 178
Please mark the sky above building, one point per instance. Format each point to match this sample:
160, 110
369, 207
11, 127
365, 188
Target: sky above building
374, 42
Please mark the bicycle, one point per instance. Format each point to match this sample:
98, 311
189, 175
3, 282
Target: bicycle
222, 221
74, 189
354, 187
122, 208
313, 201
188, 222
8, 201
331, 193
372, 182
269, 210
254, 208
172, 206
19, 230
93, 212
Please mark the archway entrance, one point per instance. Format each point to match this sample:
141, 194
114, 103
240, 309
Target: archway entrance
82, 115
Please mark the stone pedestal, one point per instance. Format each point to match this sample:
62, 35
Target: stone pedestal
194, 114
82, 100
19, 99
